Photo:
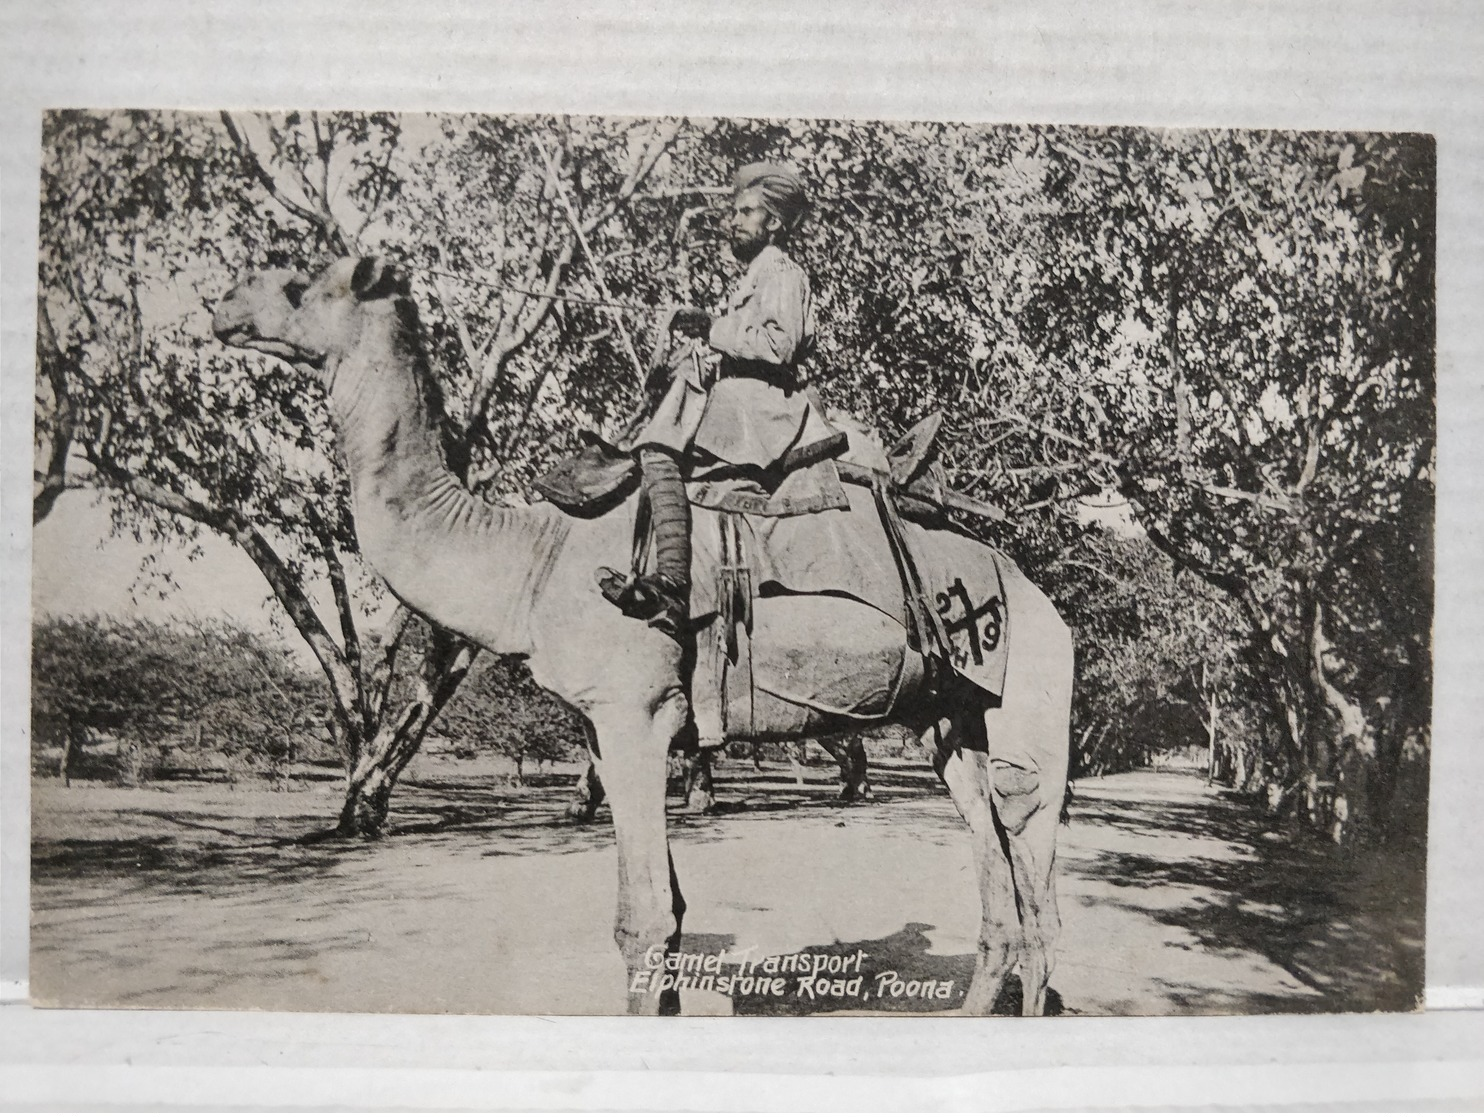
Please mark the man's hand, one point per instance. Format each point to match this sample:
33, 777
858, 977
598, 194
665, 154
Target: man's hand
690, 321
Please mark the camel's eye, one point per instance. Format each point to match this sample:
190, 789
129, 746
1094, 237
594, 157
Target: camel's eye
294, 290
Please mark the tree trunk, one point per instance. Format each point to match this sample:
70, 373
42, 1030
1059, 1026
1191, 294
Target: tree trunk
133, 774
1213, 714
520, 769
1396, 813
368, 790
374, 773
1240, 771
1343, 750
798, 757
70, 745
1089, 746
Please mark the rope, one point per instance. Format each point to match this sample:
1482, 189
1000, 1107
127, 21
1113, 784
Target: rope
611, 304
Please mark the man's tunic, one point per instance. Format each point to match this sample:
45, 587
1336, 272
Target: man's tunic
745, 405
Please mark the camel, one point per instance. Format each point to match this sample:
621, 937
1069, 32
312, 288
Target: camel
520, 580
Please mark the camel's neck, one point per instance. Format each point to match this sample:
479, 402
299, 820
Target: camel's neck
462, 562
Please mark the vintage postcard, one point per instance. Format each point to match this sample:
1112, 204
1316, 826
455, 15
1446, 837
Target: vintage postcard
599, 565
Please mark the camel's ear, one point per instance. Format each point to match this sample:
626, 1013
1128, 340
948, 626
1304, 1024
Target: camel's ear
374, 278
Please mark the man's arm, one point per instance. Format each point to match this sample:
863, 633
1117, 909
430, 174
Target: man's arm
770, 325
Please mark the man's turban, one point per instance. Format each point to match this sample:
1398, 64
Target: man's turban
780, 187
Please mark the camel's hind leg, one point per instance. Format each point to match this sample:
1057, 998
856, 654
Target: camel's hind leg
1026, 806
1012, 810
964, 768
1006, 768
1027, 745
1033, 864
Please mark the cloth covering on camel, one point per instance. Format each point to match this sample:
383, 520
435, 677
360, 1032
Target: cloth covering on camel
846, 551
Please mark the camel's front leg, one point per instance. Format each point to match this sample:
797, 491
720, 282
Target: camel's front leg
633, 742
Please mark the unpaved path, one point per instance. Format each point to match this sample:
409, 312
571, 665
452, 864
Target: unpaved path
1174, 899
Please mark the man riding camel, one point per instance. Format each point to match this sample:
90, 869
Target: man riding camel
741, 406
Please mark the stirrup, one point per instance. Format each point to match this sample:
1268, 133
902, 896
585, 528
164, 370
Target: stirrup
649, 597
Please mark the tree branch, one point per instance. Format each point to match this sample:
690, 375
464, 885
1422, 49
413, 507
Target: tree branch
402, 623
324, 221
592, 260
1262, 500
284, 583
1100, 572
53, 480
527, 321
344, 608
375, 202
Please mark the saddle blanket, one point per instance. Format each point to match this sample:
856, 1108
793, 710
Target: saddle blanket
846, 551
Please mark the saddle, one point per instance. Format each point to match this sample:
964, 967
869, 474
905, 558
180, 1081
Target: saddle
807, 479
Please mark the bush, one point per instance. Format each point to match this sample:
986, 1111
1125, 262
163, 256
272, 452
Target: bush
121, 699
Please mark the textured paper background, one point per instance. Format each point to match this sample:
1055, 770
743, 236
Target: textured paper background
1406, 66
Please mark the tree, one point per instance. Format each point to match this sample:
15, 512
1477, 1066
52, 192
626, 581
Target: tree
501, 708
200, 687
1271, 305
256, 701
92, 677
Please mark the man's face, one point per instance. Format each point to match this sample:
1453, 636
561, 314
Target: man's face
751, 225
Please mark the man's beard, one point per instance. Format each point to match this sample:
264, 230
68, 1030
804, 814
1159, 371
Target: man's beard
746, 250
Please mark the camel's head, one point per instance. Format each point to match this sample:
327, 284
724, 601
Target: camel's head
309, 321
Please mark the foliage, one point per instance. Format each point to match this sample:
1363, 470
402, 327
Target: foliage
1231, 332
208, 689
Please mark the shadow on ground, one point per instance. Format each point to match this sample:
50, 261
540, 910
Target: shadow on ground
190, 842
1348, 927
202, 849
898, 974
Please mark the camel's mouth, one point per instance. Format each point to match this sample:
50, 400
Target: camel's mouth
243, 336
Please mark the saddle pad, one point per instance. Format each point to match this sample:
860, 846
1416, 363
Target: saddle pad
845, 551
816, 488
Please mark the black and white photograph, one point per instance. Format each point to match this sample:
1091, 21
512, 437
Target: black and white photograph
602, 565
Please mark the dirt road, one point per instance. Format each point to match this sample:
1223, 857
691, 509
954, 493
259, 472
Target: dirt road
1175, 899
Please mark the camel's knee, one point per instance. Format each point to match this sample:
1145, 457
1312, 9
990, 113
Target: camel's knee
999, 943
1017, 794
1013, 779
993, 965
671, 713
